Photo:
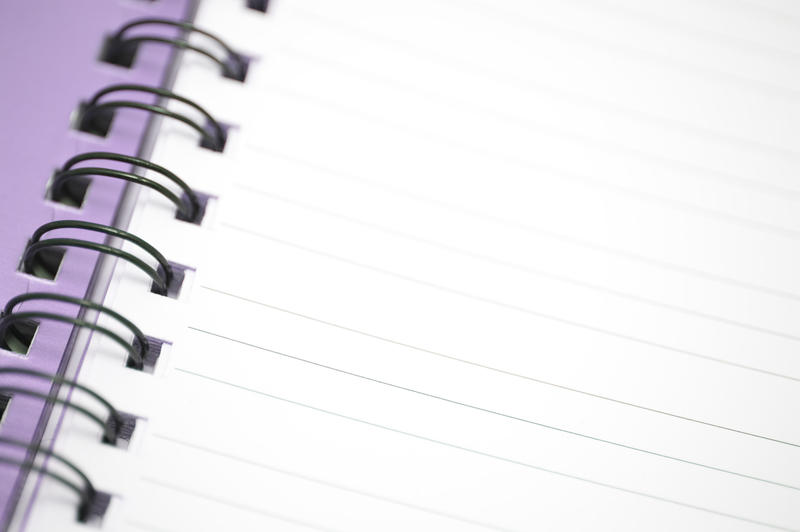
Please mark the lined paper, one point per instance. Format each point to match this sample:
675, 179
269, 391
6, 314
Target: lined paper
473, 266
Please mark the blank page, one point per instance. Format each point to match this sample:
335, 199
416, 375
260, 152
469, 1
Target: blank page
472, 265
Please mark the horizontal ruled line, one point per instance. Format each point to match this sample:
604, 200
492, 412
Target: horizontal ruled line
568, 175
453, 62
485, 454
327, 484
496, 413
731, 40
524, 20
523, 267
510, 306
238, 506
547, 233
497, 370
605, 145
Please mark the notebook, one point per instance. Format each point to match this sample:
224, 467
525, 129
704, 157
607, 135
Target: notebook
434, 265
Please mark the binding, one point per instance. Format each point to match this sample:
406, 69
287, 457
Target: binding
121, 50
162, 276
44, 253
43, 256
95, 116
189, 207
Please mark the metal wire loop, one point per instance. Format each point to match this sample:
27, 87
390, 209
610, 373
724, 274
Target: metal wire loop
233, 56
227, 69
8, 316
84, 508
94, 105
190, 207
35, 245
86, 493
111, 427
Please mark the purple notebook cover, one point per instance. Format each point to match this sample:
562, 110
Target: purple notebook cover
49, 59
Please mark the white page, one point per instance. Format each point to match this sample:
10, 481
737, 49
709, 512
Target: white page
471, 266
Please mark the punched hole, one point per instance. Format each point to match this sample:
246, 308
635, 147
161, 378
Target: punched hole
174, 287
212, 132
258, 5
202, 199
5, 400
239, 67
152, 355
124, 430
96, 122
72, 192
46, 263
94, 512
19, 336
118, 52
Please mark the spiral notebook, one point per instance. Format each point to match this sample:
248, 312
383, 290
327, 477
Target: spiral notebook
433, 265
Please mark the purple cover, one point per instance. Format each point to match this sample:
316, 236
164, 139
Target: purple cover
48, 60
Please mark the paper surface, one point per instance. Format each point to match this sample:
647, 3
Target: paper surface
473, 266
